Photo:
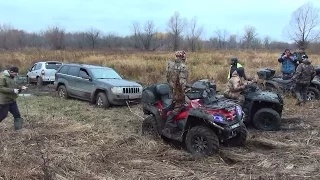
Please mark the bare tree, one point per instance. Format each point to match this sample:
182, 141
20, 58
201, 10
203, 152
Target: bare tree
92, 36
136, 33
147, 36
221, 36
176, 24
249, 36
232, 41
266, 42
194, 33
303, 24
55, 37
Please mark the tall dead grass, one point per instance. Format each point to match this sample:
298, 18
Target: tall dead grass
149, 67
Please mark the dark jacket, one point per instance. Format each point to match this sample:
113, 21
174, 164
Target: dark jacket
7, 86
288, 63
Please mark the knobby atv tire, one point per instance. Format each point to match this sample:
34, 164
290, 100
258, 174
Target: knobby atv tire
149, 127
240, 139
315, 91
212, 145
274, 116
62, 89
104, 99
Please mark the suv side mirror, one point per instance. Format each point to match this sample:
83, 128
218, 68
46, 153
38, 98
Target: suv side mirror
86, 77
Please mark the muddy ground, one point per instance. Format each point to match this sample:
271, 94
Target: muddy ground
70, 139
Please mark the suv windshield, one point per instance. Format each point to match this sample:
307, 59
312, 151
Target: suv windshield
53, 65
102, 73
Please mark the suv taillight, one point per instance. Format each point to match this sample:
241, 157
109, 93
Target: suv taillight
42, 72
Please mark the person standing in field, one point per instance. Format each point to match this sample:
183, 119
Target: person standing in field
9, 91
235, 86
288, 61
177, 77
300, 52
302, 77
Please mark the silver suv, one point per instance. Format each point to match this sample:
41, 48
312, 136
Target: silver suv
99, 85
43, 71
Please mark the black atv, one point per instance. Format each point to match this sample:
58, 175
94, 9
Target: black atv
263, 109
203, 124
281, 86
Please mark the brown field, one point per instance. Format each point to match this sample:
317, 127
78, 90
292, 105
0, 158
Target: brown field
78, 141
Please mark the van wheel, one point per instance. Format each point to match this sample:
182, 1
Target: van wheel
102, 100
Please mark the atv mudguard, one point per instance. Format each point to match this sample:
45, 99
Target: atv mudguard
148, 109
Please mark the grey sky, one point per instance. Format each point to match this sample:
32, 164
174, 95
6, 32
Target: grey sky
268, 16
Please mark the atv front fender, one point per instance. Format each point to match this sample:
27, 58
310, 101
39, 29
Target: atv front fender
206, 117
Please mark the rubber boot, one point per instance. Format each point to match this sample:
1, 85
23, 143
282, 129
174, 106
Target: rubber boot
18, 123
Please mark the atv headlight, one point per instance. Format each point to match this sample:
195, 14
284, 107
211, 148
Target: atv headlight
239, 111
116, 90
217, 118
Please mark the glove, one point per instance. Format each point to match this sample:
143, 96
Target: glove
16, 91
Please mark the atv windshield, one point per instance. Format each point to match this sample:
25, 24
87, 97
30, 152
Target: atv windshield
104, 73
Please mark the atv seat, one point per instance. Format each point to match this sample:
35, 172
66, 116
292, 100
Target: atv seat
163, 91
280, 80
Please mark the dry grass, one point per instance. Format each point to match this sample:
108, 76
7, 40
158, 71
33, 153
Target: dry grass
149, 67
83, 142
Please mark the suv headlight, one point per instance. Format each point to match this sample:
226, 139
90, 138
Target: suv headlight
116, 90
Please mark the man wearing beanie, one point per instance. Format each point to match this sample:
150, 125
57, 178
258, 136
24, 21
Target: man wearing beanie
9, 91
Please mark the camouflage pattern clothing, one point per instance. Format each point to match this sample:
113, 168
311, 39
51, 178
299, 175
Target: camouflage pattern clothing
177, 76
235, 86
302, 77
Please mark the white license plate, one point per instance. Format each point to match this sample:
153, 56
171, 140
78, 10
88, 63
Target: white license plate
134, 96
235, 126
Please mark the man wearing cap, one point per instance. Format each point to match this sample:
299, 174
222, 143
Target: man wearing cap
9, 91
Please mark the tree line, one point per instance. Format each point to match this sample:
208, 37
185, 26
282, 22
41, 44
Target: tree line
180, 33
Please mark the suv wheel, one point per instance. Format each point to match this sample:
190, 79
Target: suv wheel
102, 100
62, 92
39, 81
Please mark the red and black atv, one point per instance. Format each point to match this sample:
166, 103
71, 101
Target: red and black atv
205, 121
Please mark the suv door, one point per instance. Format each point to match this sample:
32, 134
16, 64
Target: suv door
31, 74
84, 84
72, 78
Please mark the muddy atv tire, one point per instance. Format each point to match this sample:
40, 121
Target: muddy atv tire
313, 94
240, 139
266, 119
149, 127
202, 141
102, 100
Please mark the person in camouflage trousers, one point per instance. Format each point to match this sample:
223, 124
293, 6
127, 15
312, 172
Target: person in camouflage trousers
302, 77
235, 85
177, 76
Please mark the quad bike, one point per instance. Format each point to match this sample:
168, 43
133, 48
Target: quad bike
204, 123
262, 109
279, 85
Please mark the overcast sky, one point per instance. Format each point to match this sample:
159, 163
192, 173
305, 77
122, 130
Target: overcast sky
268, 16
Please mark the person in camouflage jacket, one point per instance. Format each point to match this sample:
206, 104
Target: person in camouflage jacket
235, 85
9, 91
302, 77
177, 76
299, 54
